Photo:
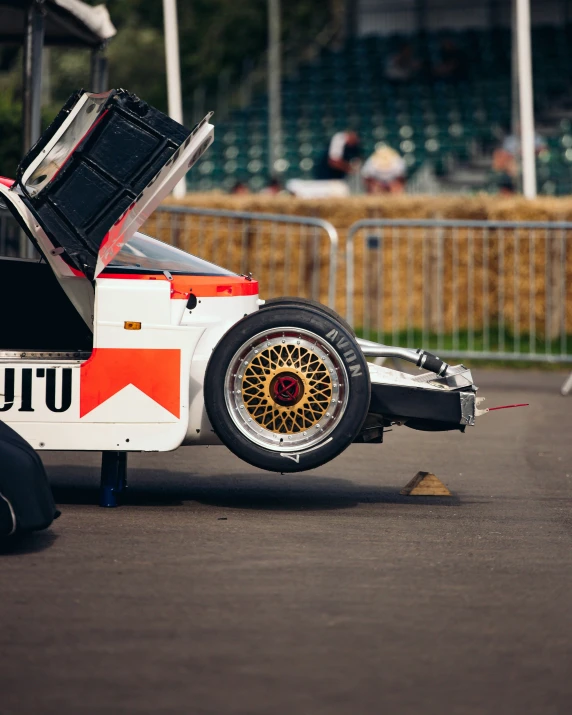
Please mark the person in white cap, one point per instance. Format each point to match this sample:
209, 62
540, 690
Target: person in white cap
384, 172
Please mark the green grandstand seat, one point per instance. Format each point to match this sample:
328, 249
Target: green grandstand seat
433, 119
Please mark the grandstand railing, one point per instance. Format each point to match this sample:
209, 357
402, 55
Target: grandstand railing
496, 290
288, 255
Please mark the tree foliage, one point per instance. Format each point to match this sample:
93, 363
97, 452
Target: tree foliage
214, 36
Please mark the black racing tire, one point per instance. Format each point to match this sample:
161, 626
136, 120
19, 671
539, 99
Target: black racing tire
307, 302
298, 399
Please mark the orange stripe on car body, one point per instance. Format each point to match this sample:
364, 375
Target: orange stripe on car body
201, 286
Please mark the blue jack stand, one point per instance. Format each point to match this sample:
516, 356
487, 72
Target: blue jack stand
113, 477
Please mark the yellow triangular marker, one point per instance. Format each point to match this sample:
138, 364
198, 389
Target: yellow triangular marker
425, 484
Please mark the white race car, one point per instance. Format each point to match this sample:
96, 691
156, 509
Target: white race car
116, 342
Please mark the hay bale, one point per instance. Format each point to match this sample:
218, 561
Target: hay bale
459, 279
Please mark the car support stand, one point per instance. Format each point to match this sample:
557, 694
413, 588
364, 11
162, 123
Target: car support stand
113, 477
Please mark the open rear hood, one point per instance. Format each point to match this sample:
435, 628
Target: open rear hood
100, 170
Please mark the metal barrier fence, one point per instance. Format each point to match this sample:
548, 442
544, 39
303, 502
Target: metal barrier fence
497, 290
288, 255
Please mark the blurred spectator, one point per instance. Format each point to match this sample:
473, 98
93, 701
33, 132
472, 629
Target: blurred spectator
384, 172
273, 187
240, 188
505, 166
511, 143
341, 157
506, 185
454, 64
506, 159
402, 66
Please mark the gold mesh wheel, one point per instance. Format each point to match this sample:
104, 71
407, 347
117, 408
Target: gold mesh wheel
286, 389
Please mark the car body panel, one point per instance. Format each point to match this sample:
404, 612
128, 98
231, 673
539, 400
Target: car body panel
100, 170
133, 379
156, 313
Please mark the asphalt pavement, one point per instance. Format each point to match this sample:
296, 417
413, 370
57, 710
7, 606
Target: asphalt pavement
221, 589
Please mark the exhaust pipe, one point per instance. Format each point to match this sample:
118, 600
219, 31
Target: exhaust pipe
421, 358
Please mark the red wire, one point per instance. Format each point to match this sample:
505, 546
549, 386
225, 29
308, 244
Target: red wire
506, 407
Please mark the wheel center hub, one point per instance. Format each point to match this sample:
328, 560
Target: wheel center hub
286, 389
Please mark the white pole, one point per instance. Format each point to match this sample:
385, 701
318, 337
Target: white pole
274, 82
173, 74
515, 103
526, 98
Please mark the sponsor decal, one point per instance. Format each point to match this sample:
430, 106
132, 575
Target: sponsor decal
55, 398
340, 342
154, 371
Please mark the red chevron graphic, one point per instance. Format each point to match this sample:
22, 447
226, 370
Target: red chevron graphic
156, 372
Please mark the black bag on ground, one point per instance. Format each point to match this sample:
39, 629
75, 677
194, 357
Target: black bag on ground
26, 501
